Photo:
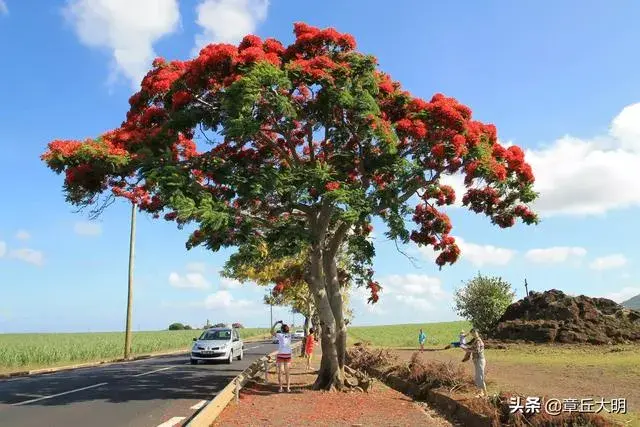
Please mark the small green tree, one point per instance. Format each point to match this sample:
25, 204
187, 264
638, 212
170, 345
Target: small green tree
483, 300
176, 327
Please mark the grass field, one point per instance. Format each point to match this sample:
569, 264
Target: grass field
438, 334
31, 351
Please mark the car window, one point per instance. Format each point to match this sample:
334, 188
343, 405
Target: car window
222, 334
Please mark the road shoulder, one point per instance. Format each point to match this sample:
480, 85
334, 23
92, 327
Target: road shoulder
261, 404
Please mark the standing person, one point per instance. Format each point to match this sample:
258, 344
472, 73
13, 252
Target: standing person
283, 359
476, 348
422, 337
308, 347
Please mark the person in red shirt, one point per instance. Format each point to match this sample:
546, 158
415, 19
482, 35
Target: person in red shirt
308, 347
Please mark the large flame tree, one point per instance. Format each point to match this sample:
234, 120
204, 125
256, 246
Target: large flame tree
308, 142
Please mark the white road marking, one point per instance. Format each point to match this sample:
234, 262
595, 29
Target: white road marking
199, 404
153, 372
59, 394
172, 422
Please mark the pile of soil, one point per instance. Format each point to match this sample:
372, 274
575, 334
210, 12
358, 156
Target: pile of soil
553, 316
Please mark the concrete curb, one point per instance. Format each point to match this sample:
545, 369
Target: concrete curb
209, 413
103, 362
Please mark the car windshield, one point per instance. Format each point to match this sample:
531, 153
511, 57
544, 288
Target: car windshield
222, 334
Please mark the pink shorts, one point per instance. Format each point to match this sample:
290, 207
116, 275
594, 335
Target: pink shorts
283, 358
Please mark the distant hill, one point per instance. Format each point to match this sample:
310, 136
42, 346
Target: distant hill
633, 303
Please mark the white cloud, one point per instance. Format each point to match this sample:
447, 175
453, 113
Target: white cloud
23, 235
457, 183
590, 176
3, 249
414, 284
555, 254
227, 21
478, 255
226, 283
128, 29
623, 294
188, 281
87, 228
197, 267
224, 300
4, 10
30, 256
415, 302
608, 262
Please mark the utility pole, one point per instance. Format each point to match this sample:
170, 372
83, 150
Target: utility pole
526, 287
132, 241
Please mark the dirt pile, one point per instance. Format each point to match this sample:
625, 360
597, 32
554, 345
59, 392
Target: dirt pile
553, 316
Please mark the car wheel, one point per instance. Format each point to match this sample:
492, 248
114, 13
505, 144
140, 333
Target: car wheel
194, 362
230, 359
241, 355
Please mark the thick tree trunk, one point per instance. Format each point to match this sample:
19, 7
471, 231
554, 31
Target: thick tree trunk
330, 375
332, 284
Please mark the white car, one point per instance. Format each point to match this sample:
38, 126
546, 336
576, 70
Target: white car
217, 344
298, 334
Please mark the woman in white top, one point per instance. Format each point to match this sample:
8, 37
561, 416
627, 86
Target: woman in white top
284, 352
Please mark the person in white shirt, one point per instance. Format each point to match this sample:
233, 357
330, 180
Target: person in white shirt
284, 352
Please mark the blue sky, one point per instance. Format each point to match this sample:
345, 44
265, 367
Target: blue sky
559, 79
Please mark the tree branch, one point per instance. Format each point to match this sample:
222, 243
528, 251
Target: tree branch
410, 258
324, 218
303, 208
288, 159
338, 237
312, 154
203, 102
203, 134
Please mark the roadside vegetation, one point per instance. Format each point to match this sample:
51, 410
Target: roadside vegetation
42, 350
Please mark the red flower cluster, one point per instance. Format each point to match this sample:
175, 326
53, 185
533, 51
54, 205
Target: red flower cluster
280, 286
443, 194
435, 227
138, 195
64, 148
77, 173
332, 186
312, 41
374, 290
180, 99
159, 80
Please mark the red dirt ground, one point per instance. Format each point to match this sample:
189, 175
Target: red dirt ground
262, 405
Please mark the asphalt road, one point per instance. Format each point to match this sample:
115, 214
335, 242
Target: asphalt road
163, 391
